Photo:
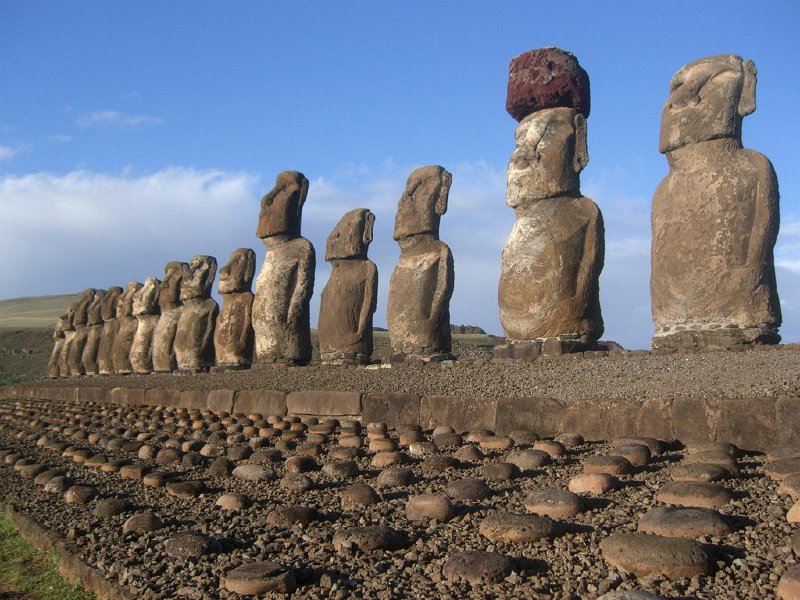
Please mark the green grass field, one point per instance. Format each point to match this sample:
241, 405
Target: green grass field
34, 313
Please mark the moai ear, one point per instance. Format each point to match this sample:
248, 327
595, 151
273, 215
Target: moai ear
302, 200
747, 99
369, 222
581, 156
444, 191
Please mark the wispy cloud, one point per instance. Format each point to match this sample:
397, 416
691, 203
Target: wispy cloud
7, 152
115, 119
60, 138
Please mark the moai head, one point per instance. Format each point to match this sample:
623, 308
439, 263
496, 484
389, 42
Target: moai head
145, 301
108, 308
351, 236
81, 312
169, 291
199, 278
125, 301
237, 275
423, 202
282, 206
550, 154
95, 312
69, 317
707, 100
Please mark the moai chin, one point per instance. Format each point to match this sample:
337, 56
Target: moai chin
714, 217
548, 293
108, 312
69, 337
281, 316
128, 323
53, 371
349, 299
421, 285
94, 322
233, 335
170, 307
81, 333
194, 338
145, 309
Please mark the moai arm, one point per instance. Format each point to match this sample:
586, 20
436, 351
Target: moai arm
208, 330
246, 332
303, 287
592, 260
370, 300
444, 285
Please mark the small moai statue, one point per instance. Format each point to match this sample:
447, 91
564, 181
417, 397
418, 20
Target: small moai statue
145, 309
281, 314
714, 217
128, 323
350, 296
194, 337
233, 335
108, 312
94, 321
421, 285
170, 307
53, 371
549, 293
81, 333
69, 337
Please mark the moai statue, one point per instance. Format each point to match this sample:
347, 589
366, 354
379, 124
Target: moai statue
145, 309
53, 371
350, 296
233, 335
81, 333
69, 337
418, 309
108, 312
715, 216
281, 316
128, 323
194, 338
169, 302
549, 293
94, 321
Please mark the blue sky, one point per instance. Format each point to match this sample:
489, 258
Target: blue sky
134, 133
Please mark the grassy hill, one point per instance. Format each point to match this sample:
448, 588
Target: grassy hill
40, 312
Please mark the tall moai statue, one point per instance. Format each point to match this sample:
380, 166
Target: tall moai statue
128, 323
53, 371
714, 217
81, 333
233, 335
418, 310
350, 296
549, 293
281, 315
69, 337
108, 311
194, 338
94, 322
170, 307
145, 309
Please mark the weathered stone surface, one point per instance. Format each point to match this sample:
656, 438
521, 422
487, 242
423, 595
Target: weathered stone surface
69, 336
613, 465
470, 488
429, 507
94, 324
146, 311
349, 298
260, 402
636, 454
418, 310
592, 483
477, 567
186, 489
715, 215
62, 325
79, 494
549, 277
194, 337
170, 307
500, 471
693, 493
510, 528
528, 460
783, 467
556, 504
187, 544
644, 554
79, 319
393, 409
281, 318
546, 78
111, 507
462, 413
369, 538
285, 517
395, 477
357, 495
234, 337
257, 578
789, 584
790, 485
323, 403
142, 522
253, 473
684, 522
698, 472
123, 338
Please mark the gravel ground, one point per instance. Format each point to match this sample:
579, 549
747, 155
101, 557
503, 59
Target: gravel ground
746, 563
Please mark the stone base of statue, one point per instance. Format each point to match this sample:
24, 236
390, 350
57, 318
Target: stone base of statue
528, 350
699, 338
344, 358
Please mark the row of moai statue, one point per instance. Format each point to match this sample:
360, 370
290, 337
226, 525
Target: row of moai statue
714, 224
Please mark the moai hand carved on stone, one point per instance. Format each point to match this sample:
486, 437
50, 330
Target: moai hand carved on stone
53, 371
350, 296
549, 279
281, 317
233, 335
194, 339
108, 311
715, 215
169, 302
123, 340
69, 337
145, 309
81, 333
94, 321
421, 285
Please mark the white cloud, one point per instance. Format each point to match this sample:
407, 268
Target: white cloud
7, 152
113, 118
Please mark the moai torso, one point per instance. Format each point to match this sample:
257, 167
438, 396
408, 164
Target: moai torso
194, 338
123, 340
108, 311
349, 298
145, 309
418, 310
58, 347
94, 322
715, 216
81, 334
69, 336
169, 302
281, 316
233, 335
